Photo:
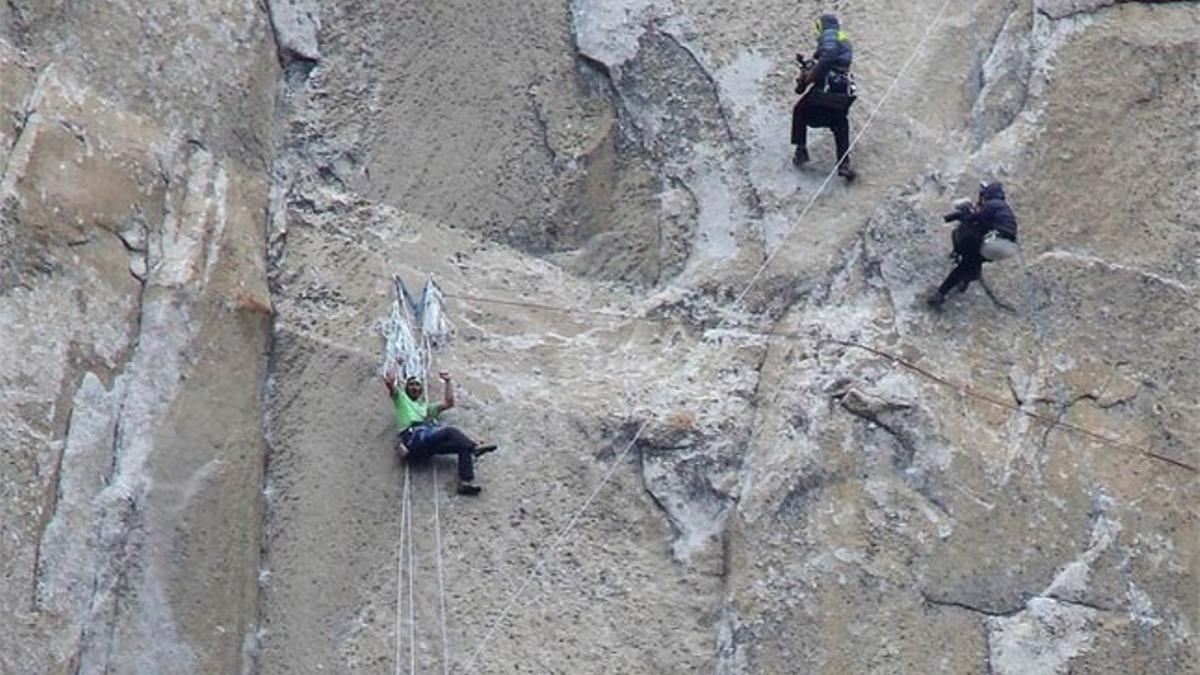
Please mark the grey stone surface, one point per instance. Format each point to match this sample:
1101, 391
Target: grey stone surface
135, 322
296, 24
201, 209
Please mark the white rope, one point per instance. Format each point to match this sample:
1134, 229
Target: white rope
412, 568
400, 569
558, 539
866, 125
437, 538
766, 263
807, 207
437, 516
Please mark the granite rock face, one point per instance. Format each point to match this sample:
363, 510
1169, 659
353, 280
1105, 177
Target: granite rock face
732, 436
136, 322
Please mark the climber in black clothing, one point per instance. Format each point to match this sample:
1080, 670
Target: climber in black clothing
827, 92
986, 232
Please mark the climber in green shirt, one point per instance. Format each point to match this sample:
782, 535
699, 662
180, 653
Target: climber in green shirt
421, 437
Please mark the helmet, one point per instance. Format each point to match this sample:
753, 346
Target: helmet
826, 21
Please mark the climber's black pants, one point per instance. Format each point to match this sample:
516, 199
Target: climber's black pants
425, 441
969, 268
806, 115
967, 240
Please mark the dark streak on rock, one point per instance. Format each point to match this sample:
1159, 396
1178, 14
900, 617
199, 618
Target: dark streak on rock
939, 602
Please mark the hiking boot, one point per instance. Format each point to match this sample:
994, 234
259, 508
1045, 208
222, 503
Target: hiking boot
936, 299
468, 487
481, 450
801, 157
846, 171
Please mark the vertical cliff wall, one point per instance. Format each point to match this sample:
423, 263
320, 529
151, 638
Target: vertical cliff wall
732, 436
136, 324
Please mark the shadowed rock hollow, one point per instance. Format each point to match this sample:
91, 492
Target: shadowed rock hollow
792, 467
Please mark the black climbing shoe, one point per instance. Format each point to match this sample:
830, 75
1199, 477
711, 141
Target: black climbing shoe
846, 171
468, 487
936, 299
481, 450
800, 158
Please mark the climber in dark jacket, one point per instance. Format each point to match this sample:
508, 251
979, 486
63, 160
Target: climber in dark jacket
827, 103
986, 232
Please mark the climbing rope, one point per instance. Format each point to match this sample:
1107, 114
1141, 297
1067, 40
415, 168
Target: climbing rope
801, 337
402, 340
437, 538
437, 527
1032, 283
737, 302
553, 547
1049, 421
400, 559
412, 568
564, 532
854, 142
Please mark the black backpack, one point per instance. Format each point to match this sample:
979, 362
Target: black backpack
838, 94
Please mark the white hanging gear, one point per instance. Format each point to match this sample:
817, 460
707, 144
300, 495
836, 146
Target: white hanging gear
436, 329
399, 335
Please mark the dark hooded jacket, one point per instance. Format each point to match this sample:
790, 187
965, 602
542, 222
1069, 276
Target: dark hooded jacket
834, 51
994, 213
991, 213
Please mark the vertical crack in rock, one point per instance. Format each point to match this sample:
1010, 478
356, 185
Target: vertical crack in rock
672, 103
543, 127
252, 645
50, 512
18, 25
732, 138
728, 633
1002, 69
25, 129
274, 250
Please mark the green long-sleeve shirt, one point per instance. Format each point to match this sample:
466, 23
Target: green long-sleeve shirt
410, 412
